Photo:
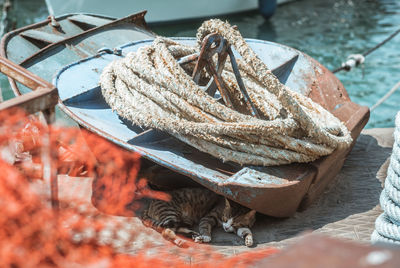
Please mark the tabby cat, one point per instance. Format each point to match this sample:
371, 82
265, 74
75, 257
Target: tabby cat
191, 206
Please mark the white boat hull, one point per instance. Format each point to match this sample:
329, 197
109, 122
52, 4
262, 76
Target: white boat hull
158, 10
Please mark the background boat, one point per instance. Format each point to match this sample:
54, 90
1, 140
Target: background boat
160, 11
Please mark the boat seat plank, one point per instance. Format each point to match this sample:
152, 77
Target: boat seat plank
25, 43
82, 19
42, 36
111, 38
21, 49
47, 34
67, 29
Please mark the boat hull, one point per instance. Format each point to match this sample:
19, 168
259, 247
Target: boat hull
276, 191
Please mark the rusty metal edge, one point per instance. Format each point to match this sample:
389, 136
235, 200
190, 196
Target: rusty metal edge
22, 75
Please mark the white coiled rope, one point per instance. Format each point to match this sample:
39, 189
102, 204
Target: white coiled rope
387, 225
151, 89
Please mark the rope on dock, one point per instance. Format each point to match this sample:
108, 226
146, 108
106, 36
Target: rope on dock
357, 59
387, 225
151, 89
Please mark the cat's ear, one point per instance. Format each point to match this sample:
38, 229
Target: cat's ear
227, 204
251, 214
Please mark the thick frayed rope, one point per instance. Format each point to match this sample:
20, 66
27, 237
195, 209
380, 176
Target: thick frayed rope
387, 225
151, 89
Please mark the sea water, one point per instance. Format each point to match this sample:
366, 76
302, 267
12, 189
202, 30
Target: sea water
328, 31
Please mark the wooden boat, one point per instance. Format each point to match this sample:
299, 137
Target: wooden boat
277, 191
44, 48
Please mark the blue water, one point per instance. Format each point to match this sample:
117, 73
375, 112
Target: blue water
327, 30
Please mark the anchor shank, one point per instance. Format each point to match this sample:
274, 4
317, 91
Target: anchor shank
242, 87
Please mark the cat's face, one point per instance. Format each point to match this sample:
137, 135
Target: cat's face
235, 217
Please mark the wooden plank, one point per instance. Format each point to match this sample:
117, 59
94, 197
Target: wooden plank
35, 101
22, 75
42, 36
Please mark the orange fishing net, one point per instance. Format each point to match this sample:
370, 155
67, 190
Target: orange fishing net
33, 234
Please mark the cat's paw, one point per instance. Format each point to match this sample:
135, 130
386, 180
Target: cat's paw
248, 240
202, 239
181, 243
147, 223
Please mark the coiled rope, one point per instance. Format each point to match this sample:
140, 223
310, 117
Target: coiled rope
387, 225
152, 90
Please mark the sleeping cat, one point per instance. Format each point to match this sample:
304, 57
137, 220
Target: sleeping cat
189, 207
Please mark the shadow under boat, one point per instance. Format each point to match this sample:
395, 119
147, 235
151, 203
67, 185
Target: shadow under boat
276, 191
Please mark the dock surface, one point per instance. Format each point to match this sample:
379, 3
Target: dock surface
347, 209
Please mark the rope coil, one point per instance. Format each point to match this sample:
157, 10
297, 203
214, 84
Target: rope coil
387, 225
152, 90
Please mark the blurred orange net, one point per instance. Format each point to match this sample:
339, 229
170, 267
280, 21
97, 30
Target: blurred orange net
32, 234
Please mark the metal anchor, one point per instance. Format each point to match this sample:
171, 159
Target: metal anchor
215, 44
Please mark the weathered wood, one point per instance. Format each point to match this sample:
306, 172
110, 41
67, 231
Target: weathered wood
43, 99
35, 101
22, 75
44, 96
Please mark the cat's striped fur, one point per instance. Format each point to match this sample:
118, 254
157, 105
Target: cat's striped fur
190, 207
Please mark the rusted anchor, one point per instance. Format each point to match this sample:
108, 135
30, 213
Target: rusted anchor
215, 44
